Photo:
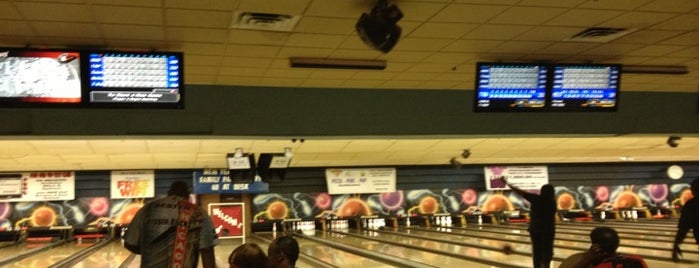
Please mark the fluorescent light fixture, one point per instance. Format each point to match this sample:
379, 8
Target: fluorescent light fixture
301, 62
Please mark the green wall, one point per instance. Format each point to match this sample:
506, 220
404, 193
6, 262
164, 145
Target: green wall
299, 112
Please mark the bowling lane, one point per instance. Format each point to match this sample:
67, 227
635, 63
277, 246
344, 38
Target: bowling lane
111, 255
520, 242
50, 256
19, 249
366, 240
329, 255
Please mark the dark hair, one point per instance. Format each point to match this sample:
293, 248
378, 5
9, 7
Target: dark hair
546, 191
606, 238
179, 188
284, 247
249, 255
695, 187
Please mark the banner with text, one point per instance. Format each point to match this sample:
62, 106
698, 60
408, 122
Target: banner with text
217, 181
45, 186
360, 180
523, 177
228, 219
133, 184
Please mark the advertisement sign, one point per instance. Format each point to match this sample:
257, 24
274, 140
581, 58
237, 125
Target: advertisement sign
360, 180
523, 177
217, 181
132, 184
228, 219
45, 186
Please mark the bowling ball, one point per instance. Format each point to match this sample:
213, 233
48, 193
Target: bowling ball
392, 200
469, 197
565, 201
627, 199
99, 206
128, 213
43, 217
497, 203
323, 201
658, 192
353, 207
507, 249
277, 210
428, 205
602, 193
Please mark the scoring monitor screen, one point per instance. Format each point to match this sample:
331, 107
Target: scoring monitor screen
585, 87
139, 79
34, 77
510, 87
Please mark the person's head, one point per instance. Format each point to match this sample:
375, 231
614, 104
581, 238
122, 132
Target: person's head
179, 188
606, 239
283, 252
248, 255
695, 188
546, 191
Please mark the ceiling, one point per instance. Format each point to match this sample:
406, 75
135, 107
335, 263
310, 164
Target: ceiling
440, 44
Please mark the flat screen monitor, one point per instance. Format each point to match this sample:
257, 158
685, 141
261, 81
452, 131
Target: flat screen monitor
585, 87
36, 78
502, 87
135, 79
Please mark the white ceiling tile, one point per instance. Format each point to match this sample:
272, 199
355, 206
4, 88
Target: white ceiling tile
421, 44
354, 83
67, 29
9, 11
198, 70
616, 4
331, 74
442, 30
54, 11
419, 11
137, 44
637, 20
175, 34
472, 46
321, 25
148, 3
199, 48
198, 18
551, 3
468, 13
549, 33
355, 54
15, 27
202, 60
406, 56
448, 57
416, 75
655, 50
688, 39
677, 6
315, 40
287, 52
252, 50
568, 47
257, 37
496, 32
611, 49
647, 36
288, 73
339, 8
246, 62
128, 15
431, 68
527, 15
520, 47
202, 4
688, 22
687, 52
584, 17
242, 71
118, 146
117, 31
373, 75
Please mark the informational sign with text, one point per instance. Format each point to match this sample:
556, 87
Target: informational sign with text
360, 180
218, 181
132, 184
523, 177
46, 186
228, 219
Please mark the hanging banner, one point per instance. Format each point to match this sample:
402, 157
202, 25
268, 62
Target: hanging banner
228, 219
360, 180
523, 177
132, 184
45, 186
217, 181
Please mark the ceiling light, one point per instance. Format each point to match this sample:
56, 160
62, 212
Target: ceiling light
626, 158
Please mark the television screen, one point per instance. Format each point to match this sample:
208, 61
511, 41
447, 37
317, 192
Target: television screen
30, 77
135, 79
581, 87
510, 87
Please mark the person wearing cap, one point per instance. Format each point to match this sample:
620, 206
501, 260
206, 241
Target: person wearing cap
172, 232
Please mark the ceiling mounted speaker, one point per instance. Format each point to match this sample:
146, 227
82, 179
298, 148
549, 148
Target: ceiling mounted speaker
378, 29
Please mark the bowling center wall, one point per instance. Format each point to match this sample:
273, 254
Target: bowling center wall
302, 194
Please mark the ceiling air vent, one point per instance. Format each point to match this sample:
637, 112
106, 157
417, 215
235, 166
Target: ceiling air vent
264, 21
600, 34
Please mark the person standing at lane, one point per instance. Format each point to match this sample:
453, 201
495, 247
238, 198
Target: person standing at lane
689, 219
542, 222
172, 232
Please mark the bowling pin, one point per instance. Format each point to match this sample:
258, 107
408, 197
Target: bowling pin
407, 222
603, 215
274, 227
634, 215
438, 221
659, 213
480, 220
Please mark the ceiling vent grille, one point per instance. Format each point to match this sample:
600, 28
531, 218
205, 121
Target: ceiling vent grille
599, 34
264, 21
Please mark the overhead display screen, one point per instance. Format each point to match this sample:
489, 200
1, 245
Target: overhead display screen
39, 77
139, 79
585, 87
510, 86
